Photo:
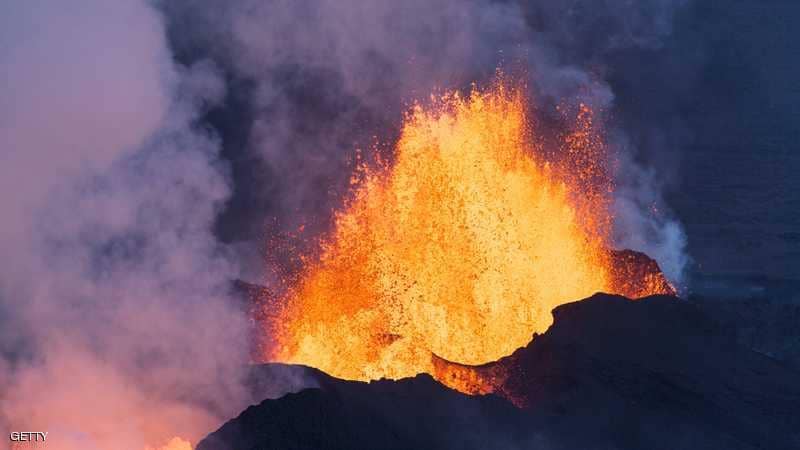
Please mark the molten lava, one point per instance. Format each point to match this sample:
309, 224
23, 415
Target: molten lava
458, 250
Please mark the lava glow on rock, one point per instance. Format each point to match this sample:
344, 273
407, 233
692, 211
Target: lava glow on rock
459, 249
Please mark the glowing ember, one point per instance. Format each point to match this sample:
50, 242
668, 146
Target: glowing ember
460, 249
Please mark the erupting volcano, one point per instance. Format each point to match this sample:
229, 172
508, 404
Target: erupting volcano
459, 248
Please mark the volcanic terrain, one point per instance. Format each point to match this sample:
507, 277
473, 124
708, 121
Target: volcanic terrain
656, 373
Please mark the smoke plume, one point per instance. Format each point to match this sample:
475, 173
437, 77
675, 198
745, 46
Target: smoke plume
117, 330
315, 80
144, 148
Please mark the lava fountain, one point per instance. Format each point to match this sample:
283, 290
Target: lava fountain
459, 248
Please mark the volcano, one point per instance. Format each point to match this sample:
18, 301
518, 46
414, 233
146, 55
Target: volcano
610, 373
438, 312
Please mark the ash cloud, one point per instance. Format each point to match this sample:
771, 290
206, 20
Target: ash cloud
314, 80
117, 330
145, 146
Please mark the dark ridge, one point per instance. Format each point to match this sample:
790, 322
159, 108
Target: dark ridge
610, 373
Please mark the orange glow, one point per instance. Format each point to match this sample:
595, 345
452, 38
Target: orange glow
175, 443
456, 253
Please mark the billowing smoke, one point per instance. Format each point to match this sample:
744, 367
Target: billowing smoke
144, 148
317, 79
116, 329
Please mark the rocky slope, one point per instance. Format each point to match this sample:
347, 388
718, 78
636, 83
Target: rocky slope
610, 373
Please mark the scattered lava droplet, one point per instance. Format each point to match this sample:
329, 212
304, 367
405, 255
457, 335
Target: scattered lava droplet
458, 250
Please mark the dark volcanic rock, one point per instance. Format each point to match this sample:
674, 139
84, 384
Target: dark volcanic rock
656, 371
415, 413
609, 374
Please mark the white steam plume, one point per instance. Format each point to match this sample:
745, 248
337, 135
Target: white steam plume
117, 330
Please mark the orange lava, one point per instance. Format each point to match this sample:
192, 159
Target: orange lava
457, 251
